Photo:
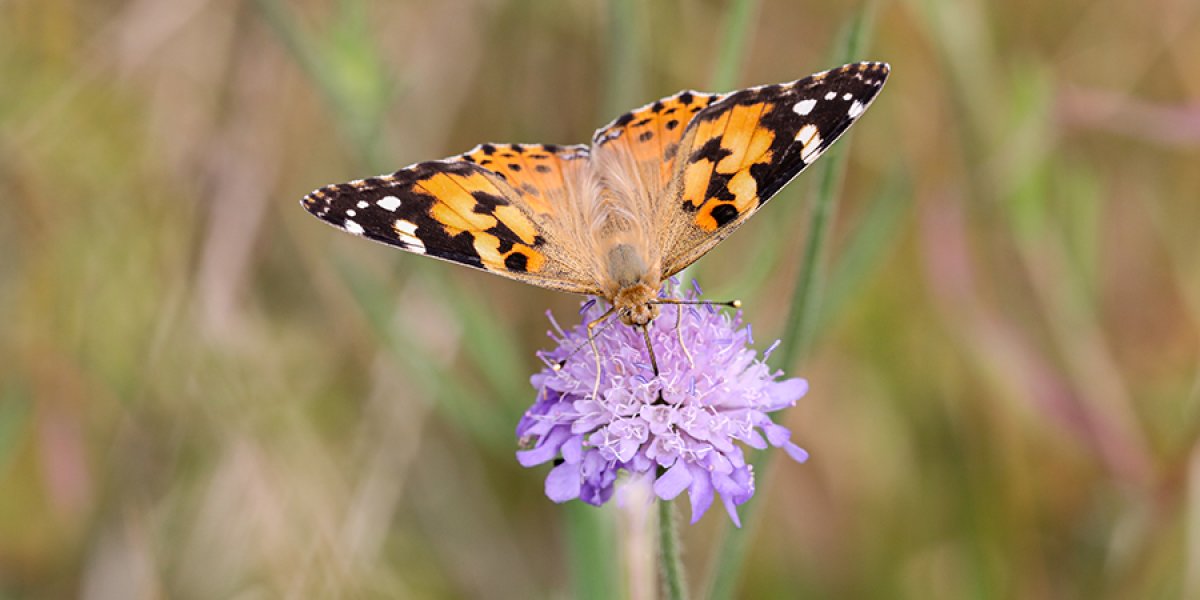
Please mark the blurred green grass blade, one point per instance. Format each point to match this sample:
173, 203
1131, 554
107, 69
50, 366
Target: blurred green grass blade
867, 247
15, 404
801, 325
457, 403
491, 346
346, 67
726, 566
739, 22
591, 550
624, 78
1083, 234
353, 77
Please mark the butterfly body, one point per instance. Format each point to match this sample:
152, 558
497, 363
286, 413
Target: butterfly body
656, 189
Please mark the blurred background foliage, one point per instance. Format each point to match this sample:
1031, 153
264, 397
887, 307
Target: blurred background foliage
204, 392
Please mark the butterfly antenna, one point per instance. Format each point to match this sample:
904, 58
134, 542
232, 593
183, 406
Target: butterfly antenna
653, 361
678, 302
726, 303
679, 336
596, 355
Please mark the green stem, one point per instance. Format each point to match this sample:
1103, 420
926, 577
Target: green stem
738, 23
624, 85
674, 580
806, 304
801, 321
591, 550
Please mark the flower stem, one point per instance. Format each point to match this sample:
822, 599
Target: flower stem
674, 580
591, 550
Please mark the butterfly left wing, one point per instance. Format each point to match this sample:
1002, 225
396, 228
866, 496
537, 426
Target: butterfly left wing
741, 150
498, 207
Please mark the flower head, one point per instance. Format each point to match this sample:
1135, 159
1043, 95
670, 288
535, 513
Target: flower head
681, 428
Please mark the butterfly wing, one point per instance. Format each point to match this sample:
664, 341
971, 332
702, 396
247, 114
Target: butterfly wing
503, 208
738, 152
639, 147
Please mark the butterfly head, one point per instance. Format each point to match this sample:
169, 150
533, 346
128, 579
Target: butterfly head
630, 284
634, 304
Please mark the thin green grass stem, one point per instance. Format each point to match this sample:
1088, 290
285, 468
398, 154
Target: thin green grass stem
738, 24
801, 324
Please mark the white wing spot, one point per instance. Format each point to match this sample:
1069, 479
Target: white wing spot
407, 231
388, 203
804, 107
810, 137
847, 96
831, 95
856, 109
350, 212
362, 204
353, 227
806, 134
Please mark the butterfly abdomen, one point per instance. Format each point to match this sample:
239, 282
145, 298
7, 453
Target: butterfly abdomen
625, 265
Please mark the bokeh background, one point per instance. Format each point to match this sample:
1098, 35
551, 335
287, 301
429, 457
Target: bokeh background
206, 393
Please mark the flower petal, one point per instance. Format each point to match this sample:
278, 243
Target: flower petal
797, 453
563, 483
572, 449
786, 393
700, 492
731, 508
755, 440
546, 449
673, 482
778, 435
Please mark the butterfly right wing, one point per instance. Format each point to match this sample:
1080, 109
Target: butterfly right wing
743, 148
504, 208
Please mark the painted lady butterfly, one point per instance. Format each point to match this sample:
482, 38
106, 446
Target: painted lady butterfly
656, 189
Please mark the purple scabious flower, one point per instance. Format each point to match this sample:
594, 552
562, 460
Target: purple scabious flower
679, 429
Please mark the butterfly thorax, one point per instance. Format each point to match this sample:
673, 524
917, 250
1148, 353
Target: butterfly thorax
630, 284
629, 269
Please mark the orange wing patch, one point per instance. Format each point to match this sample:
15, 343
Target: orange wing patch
471, 203
651, 134
542, 175
729, 146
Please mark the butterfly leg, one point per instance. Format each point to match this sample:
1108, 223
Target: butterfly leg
679, 335
679, 304
591, 327
650, 349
